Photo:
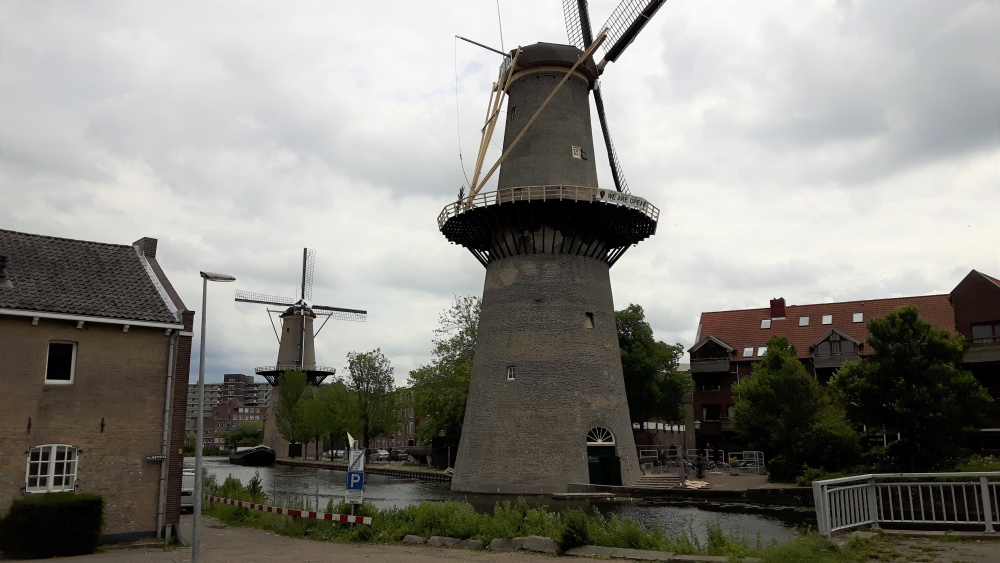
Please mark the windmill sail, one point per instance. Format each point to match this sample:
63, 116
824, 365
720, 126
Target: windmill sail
251, 297
308, 269
578, 23
616, 168
625, 23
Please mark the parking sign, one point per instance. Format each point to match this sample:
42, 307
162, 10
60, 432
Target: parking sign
354, 491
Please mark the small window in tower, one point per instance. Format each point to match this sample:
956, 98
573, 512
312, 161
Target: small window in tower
858, 317
588, 320
288, 329
577, 152
511, 112
765, 323
510, 373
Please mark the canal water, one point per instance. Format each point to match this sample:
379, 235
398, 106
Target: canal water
317, 486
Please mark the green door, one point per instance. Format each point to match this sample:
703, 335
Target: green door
604, 467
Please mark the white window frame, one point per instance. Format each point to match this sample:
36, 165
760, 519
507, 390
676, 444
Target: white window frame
511, 373
577, 151
46, 468
761, 350
827, 319
765, 324
72, 365
858, 317
748, 352
804, 320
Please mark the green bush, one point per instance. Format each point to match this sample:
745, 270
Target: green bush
51, 525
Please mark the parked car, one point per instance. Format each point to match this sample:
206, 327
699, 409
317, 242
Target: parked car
378, 455
398, 455
187, 490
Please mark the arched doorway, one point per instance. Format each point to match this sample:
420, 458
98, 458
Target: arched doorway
604, 466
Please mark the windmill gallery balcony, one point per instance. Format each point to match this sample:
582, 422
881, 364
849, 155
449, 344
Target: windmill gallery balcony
551, 219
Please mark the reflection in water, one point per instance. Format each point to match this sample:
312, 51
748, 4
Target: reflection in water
317, 486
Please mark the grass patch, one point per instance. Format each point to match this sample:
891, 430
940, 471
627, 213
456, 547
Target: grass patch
569, 528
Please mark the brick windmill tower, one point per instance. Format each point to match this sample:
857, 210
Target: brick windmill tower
547, 403
296, 344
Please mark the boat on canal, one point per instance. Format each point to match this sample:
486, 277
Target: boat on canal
256, 456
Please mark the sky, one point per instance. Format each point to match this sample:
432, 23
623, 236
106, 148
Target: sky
817, 151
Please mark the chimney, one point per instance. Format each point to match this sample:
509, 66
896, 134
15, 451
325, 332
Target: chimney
778, 308
147, 246
4, 282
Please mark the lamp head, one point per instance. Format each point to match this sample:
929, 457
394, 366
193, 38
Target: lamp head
217, 277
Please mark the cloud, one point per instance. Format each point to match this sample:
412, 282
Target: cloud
816, 151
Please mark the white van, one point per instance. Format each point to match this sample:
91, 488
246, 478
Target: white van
187, 490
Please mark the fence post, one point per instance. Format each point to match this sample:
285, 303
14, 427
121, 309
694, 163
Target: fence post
987, 505
822, 510
872, 504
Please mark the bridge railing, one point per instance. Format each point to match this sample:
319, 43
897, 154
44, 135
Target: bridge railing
942, 500
557, 192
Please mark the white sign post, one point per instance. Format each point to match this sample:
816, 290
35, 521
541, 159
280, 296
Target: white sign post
355, 489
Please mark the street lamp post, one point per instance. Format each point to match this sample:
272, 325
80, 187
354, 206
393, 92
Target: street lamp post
198, 444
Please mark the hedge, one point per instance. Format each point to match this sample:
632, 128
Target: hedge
52, 524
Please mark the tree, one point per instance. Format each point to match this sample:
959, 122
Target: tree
653, 386
441, 388
911, 384
330, 413
782, 411
370, 380
247, 431
292, 389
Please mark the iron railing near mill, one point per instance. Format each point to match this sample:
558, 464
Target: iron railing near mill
902, 499
547, 193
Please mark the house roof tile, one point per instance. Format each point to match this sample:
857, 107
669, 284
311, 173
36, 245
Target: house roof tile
741, 329
58, 275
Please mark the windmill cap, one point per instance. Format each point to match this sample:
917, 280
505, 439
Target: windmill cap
554, 54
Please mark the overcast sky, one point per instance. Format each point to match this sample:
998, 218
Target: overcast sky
817, 151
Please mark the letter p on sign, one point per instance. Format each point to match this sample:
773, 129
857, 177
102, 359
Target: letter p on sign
355, 480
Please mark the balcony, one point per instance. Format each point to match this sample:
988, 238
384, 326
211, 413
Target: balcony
978, 350
832, 360
710, 365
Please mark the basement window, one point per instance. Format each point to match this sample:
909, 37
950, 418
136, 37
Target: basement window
858, 317
765, 323
51, 468
748, 352
828, 319
803, 321
588, 320
510, 373
61, 363
577, 152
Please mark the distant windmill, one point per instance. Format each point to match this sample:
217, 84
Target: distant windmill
296, 349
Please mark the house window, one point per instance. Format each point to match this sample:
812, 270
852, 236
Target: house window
986, 333
51, 468
765, 323
510, 373
748, 352
803, 321
858, 317
761, 351
836, 344
828, 319
588, 320
577, 152
61, 363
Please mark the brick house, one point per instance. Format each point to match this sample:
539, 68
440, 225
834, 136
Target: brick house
825, 336
95, 349
250, 393
228, 415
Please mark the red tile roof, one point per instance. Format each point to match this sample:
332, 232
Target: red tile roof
741, 329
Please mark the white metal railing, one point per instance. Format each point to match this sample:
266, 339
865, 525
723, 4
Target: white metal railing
969, 499
548, 193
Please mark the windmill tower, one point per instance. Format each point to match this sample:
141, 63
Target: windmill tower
296, 349
547, 403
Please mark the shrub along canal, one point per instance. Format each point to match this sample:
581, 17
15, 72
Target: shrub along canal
293, 485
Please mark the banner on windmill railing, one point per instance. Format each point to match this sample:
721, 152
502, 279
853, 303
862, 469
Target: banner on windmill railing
619, 198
